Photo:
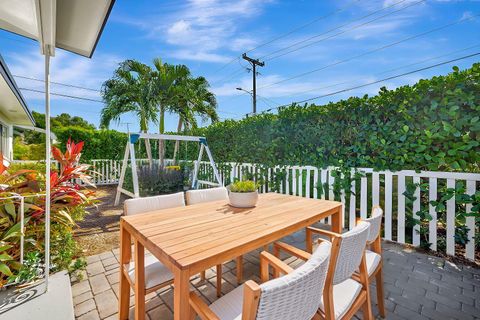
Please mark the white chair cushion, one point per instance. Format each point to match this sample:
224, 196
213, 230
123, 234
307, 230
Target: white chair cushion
372, 259
229, 306
206, 195
155, 272
344, 295
146, 204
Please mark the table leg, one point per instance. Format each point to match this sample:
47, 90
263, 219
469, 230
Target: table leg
139, 281
125, 256
181, 294
337, 221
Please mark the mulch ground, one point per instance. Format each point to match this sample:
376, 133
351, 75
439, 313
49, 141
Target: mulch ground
99, 231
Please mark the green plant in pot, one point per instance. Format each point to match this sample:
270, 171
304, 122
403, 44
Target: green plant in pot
243, 194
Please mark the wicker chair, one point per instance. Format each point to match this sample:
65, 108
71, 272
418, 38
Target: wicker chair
157, 275
374, 258
345, 290
290, 297
208, 195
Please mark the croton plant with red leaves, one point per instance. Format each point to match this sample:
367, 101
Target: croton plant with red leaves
67, 199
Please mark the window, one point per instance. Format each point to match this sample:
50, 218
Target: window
4, 140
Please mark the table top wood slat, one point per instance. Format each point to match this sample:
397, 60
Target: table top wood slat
193, 237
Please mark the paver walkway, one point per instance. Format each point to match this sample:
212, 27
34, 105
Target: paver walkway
418, 286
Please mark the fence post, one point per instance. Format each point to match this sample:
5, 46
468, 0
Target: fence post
451, 220
401, 209
470, 223
388, 205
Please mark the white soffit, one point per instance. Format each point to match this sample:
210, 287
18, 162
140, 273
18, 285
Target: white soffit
12, 104
78, 23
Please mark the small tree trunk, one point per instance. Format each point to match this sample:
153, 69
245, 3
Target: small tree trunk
161, 143
177, 143
148, 148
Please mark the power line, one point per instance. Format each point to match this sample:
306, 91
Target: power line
386, 71
336, 34
371, 51
236, 73
378, 81
58, 83
237, 58
63, 95
303, 26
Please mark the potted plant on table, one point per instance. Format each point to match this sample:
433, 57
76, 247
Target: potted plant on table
243, 194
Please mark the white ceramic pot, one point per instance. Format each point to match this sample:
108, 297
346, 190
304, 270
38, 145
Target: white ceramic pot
243, 199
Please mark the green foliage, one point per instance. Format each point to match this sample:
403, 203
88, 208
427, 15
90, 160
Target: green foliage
30, 270
432, 125
58, 122
423, 217
27, 151
244, 186
68, 202
99, 144
62, 120
154, 180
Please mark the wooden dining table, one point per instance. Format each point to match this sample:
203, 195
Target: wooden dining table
193, 238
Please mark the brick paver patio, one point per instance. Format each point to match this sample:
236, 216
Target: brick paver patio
418, 286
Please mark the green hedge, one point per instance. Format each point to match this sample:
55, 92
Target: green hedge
99, 144
432, 125
106, 144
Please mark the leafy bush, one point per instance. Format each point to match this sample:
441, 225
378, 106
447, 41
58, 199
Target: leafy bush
432, 125
154, 180
244, 186
23, 150
68, 202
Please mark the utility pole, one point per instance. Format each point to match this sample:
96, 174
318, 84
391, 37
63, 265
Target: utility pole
254, 63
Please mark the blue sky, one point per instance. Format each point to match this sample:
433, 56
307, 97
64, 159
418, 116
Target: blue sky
208, 36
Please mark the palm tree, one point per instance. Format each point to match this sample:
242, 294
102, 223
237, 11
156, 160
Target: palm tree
164, 77
192, 98
130, 90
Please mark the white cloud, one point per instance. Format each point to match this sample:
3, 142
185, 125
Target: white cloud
240, 43
202, 27
199, 56
180, 27
467, 15
65, 68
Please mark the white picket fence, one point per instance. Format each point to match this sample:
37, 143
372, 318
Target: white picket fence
383, 188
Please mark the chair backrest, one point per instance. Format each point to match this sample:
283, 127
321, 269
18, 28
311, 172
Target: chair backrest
350, 252
206, 195
375, 223
295, 295
141, 205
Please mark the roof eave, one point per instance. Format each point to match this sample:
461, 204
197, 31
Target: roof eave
16, 91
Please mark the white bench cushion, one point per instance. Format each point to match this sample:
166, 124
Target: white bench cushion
155, 272
344, 295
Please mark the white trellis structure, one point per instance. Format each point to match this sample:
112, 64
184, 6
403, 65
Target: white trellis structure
130, 154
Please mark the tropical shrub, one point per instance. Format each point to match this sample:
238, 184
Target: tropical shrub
68, 202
